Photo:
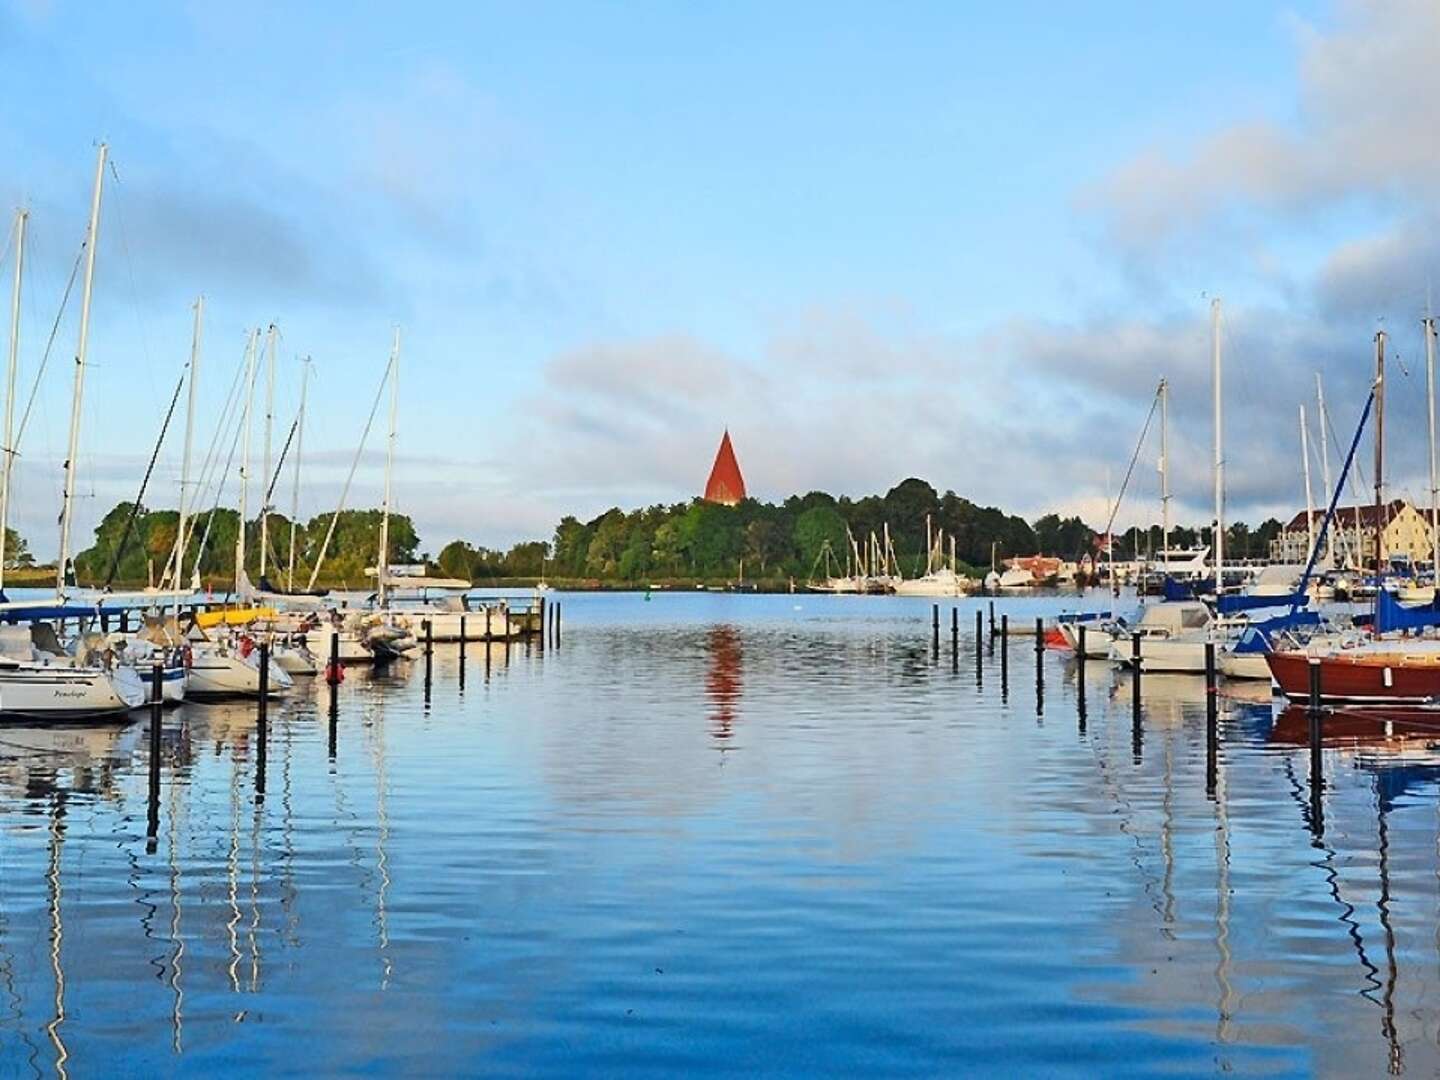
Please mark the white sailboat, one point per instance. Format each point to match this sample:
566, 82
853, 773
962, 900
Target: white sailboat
939, 578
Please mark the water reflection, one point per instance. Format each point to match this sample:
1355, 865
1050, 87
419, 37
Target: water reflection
549, 876
723, 681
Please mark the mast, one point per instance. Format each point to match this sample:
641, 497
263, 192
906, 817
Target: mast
185, 461
1309, 496
1219, 449
21, 218
77, 399
1379, 460
1324, 454
295, 488
269, 424
383, 562
1165, 474
251, 347
1434, 485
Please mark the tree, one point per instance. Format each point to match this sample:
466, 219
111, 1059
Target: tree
816, 527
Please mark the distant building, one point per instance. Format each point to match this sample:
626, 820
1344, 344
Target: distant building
1406, 535
726, 486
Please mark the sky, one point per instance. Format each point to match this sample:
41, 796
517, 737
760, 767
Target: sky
956, 241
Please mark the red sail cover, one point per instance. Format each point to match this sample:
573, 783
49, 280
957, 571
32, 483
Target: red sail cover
725, 485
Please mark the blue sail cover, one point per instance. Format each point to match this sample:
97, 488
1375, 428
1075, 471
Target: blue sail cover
1178, 590
1390, 614
1256, 638
51, 611
1229, 605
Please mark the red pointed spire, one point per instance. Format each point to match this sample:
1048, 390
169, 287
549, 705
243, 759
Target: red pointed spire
726, 485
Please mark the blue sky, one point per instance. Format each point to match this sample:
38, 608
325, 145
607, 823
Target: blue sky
947, 240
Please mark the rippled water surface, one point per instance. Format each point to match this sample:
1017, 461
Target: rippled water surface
723, 834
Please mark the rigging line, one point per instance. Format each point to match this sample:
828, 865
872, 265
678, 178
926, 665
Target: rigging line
144, 483
219, 491
1115, 510
354, 463
49, 345
119, 209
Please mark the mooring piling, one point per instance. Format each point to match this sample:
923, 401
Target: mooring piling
1137, 729
157, 707
1004, 657
1317, 739
1212, 720
262, 722
1080, 658
935, 629
429, 656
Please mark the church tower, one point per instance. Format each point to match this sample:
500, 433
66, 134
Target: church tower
725, 486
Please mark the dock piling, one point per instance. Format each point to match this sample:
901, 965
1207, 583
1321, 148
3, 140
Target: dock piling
1004, 657
1080, 657
262, 722
429, 656
935, 629
1317, 740
462, 642
157, 706
1137, 729
1212, 720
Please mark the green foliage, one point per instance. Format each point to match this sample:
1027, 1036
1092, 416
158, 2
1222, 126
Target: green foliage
211, 538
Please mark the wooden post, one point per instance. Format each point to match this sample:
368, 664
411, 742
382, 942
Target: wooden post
1317, 740
157, 706
1212, 720
262, 722
1137, 731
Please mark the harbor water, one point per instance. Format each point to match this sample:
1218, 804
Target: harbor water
722, 834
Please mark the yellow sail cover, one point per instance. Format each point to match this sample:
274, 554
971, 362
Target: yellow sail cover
234, 616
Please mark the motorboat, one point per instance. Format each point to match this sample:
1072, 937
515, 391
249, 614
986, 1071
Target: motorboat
1172, 638
230, 667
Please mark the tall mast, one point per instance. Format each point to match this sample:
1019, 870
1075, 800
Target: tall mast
1165, 474
1219, 449
21, 217
383, 562
1309, 496
77, 399
1434, 485
1379, 460
269, 423
180, 544
295, 487
251, 348
1325, 460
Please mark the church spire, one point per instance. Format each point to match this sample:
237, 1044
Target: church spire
725, 486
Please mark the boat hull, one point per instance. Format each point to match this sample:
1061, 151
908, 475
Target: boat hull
1359, 679
1170, 655
54, 693
1246, 665
225, 675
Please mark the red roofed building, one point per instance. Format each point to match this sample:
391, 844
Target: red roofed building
1406, 535
725, 486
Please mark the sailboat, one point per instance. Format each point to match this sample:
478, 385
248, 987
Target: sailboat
939, 578
38, 678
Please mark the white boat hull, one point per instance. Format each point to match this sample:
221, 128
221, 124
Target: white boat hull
37, 691
1247, 665
1174, 655
225, 674
1097, 639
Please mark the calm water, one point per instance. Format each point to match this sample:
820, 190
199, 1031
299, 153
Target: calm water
721, 834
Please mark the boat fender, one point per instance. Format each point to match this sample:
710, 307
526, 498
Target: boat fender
187, 657
1389, 680
247, 645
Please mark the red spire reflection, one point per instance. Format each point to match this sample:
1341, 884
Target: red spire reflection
722, 679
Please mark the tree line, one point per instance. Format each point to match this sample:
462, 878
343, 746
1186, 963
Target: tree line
694, 540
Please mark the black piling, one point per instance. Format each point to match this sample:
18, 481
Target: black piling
333, 674
124, 620
1039, 667
487, 629
157, 708
935, 629
954, 640
1080, 658
557, 623
429, 656
1137, 729
1317, 739
462, 642
1212, 720
262, 722
992, 617
979, 649
1004, 657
